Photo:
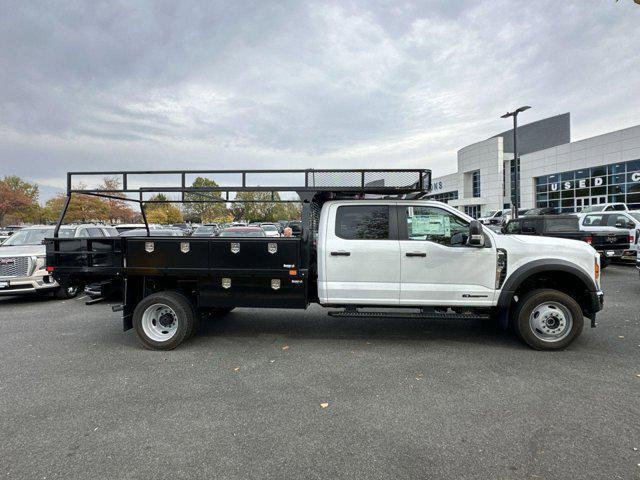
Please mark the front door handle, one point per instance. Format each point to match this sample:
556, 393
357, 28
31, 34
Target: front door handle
416, 254
340, 253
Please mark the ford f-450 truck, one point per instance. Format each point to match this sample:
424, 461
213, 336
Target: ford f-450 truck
369, 246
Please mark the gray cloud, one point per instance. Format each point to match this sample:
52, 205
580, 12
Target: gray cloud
200, 84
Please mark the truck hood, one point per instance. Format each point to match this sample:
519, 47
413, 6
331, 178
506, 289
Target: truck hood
22, 250
544, 241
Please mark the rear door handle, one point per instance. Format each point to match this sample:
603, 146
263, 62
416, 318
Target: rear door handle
340, 253
416, 254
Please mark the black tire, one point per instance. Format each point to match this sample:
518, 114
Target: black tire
66, 293
536, 298
185, 320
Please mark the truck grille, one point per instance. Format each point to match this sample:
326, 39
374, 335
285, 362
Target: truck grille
14, 266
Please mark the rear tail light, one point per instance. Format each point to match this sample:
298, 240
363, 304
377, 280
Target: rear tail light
50, 269
589, 240
631, 238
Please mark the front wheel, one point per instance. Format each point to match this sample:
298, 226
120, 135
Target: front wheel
548, 319
164, 320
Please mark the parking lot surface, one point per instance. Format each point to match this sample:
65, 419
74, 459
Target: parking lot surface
286, 394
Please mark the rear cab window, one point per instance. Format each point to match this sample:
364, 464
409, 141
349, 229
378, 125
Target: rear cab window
363, 222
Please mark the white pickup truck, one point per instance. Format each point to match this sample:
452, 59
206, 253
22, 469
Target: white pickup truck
365, 257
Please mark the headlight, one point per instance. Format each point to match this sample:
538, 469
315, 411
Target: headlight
40, 263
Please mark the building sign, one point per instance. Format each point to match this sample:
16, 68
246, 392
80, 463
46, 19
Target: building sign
569, 191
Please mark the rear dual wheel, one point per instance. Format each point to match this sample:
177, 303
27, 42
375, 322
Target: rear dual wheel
164, 320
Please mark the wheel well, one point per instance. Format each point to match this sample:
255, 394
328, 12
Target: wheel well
565, 282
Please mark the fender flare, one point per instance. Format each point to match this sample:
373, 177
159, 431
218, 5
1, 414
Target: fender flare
514, 280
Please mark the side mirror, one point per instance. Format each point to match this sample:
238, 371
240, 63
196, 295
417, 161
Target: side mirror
476, 235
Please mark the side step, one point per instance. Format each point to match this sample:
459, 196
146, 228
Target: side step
424, 314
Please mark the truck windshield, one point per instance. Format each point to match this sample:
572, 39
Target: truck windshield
35, 236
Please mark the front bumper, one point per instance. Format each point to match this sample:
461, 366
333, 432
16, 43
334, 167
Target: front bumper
21, 285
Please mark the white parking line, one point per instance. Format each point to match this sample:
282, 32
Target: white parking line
80, 298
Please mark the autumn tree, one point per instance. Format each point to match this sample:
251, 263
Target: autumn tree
119, 211
215, 211
82, 209
162, 213
18, 200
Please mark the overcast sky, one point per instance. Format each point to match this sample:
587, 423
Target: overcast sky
259, 84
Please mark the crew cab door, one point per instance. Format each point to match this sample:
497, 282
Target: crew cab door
437, 267
360, 256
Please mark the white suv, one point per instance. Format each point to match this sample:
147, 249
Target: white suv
22, 259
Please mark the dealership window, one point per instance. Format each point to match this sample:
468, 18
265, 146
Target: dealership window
444, 197
363, 222
475, 176
572, 190
472, 210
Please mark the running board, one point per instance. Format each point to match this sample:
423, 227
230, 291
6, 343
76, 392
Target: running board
426, 315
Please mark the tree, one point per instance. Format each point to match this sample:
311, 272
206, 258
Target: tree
205, 212
262, 207
163, 213
83, 208
18, 199
119, 211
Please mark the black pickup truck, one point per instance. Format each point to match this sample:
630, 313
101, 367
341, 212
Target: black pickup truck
610, 244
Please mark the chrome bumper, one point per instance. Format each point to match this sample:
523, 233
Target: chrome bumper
33, 284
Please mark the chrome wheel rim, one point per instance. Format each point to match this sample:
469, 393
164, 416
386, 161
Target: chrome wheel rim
159, 322
550, 321
71, 291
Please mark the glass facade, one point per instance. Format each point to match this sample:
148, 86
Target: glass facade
472, 210
476, 183
572, 190
444, 197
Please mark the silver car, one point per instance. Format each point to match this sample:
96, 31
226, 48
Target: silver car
22, 259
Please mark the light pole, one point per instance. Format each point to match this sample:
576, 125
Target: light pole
516, 157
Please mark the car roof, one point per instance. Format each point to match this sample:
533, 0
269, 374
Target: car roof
242, 229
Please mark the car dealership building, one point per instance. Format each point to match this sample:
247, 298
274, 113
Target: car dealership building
555, 172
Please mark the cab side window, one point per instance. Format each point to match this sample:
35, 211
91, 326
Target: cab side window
436, 225
594, 221
618, 221
363, 222
95, 232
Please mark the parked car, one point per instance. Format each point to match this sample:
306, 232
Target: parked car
123, 227
603, 221
605, 207
22, 259
610, 243
493, 217
208, 230
507, 215
541, 211
157, 232
270, 229
242, 232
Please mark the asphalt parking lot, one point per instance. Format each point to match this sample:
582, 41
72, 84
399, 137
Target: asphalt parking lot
242, 399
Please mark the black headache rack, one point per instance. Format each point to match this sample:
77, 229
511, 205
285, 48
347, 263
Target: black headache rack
227, 271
